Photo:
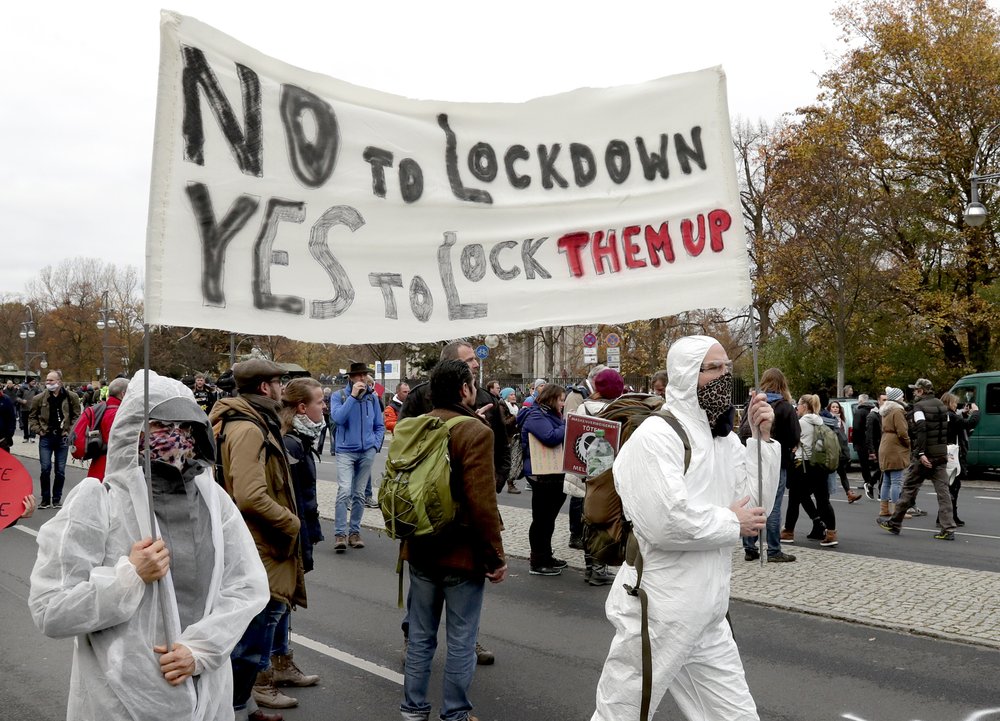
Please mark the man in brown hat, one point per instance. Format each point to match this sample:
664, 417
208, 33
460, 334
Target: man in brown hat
257, 476
360, 429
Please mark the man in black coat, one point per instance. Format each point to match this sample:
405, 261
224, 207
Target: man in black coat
870, 473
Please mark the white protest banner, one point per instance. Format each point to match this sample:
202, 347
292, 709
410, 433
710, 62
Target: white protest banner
289, 203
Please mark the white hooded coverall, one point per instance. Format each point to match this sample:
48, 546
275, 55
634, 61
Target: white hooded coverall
84, 585
686, 534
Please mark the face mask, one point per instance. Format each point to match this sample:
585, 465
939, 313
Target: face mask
51, 387
716, 397
170, 443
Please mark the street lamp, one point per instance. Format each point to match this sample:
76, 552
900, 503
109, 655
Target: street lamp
104, 322
27, 333
975, 212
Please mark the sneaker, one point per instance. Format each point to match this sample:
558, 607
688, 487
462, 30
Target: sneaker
853, 496
945, 536
484, 657
780, 557
600, 576
888, 526
512, 489
370, 502
44, 504
916, 512
870, 491
787, 536
544, 571
354, 541
57, 504
557, 563
576, 542
830, 540
750, 554
340, 544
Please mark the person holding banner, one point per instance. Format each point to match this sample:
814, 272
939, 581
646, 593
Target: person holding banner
687, 523
98, 560
542, 429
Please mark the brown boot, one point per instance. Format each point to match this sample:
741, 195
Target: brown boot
787, 536
266, 694
830, 540
883, 510
286, 673
512, 488
853, 496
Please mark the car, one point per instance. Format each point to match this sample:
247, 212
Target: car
983, 389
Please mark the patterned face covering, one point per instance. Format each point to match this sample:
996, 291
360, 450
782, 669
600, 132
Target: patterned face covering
169, 443
716, 397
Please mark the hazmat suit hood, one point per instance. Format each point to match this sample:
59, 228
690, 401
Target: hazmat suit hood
684, 361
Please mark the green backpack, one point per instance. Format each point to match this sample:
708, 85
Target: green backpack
415, 495
825, 448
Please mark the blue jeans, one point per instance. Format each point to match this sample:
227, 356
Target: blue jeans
253, 652
892, 482
773, 529
354, 471
462, 598
48, 445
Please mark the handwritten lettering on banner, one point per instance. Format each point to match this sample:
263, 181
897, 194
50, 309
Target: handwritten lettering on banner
291, 203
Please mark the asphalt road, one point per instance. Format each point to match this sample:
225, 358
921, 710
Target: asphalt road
550, 637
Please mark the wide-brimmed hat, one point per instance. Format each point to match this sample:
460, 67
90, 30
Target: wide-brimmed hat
357, 368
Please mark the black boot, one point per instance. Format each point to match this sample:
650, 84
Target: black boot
818, 532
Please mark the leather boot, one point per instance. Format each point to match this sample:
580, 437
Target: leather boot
830, 540
266, 694
259, 715
286, 673
853, 496
883, 511
512, 488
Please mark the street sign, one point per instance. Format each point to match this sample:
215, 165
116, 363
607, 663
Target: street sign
615, 358
590, 355
482, 352
613, 339
589, 340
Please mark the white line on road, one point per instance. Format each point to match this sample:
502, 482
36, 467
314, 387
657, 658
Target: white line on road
957, 533
29, 531
987, 498
368, 666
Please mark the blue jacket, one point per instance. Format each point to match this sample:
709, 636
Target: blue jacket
359, 423
543, 424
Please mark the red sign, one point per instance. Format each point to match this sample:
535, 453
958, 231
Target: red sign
590, 340
580, 434
15, 484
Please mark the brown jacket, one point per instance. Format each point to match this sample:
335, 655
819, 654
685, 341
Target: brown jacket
38, 415
472, 543
258, 478
894, 449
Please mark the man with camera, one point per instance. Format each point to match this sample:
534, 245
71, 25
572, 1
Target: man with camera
360, 429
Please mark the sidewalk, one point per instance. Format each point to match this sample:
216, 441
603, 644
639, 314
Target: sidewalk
928, 600
952, 604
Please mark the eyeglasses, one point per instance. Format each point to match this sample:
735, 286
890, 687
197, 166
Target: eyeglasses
717, 365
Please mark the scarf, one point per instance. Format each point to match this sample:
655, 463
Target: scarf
169, 443
304, 426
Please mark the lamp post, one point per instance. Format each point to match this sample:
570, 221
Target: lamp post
975, 211
105, 321
27, 333
234, 345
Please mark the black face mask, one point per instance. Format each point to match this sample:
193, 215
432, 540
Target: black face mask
716, 398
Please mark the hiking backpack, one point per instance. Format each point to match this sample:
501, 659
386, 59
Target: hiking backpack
606, 530
415, 494
219, 431
825, 451
94, 444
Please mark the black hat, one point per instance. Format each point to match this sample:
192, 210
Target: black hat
359, 368
253, 372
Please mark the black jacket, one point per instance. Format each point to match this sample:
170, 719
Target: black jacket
303, 468
873, 430
929, 419
860, 438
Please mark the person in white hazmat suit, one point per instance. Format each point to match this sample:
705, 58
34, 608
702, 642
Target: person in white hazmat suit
687, 526
97, 559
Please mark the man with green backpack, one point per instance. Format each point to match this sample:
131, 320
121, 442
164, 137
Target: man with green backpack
444, 509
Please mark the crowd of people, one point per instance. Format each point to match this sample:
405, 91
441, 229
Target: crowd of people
235, 520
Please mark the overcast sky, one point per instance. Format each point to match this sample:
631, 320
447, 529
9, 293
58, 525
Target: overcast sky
79, 83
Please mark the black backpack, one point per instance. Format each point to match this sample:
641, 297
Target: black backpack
94, 445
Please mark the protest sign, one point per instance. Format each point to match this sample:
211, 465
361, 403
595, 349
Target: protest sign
289, 203
15, 484
580, 434
545, 460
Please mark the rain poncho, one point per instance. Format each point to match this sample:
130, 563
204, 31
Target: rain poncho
686, 534
84, 585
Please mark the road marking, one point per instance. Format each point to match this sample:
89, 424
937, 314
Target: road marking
360, 663
987, 498
957, 533
29, 531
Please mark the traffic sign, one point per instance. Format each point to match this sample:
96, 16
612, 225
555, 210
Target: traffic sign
589, 340
590, 355
612, 339
615, 353
482, 352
